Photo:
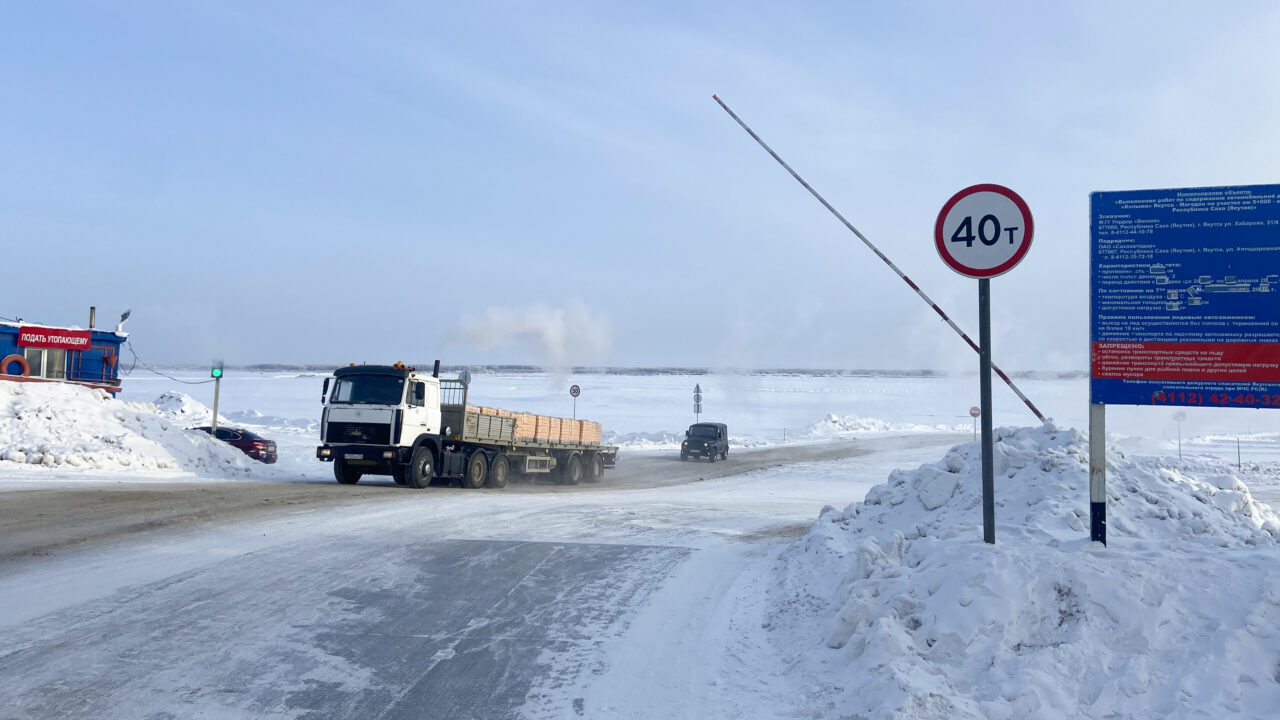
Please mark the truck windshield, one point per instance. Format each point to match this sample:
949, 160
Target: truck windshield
703, 431
369, 390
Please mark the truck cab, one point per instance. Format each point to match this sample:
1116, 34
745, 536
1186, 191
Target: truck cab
373, 418
708, 440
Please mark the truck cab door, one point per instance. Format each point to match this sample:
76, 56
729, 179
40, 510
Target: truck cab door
423, 413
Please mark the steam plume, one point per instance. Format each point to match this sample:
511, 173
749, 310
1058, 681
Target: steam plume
558, 337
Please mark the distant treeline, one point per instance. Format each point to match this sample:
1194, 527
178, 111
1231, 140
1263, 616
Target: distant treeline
590, 370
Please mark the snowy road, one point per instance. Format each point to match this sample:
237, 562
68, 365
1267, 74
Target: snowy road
299, 600
40, 522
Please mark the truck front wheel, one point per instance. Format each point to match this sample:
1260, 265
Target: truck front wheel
477, 470
421, 468
344, 473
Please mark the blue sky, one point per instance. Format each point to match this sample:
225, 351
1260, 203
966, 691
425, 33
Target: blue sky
493, 182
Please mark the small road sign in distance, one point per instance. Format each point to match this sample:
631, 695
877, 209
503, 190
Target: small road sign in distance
975, 411
983, 231
575, 391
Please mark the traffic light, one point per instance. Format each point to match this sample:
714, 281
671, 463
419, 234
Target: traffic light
216, 372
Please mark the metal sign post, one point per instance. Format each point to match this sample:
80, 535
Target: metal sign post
697, 403
574, 392
988, 434
1178, 417
216, 373
981, 232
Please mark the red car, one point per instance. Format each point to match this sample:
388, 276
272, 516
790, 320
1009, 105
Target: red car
251, 444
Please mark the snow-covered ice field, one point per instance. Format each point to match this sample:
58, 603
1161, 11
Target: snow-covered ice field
845, 589
638, 412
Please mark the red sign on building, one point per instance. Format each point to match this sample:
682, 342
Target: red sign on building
42, 337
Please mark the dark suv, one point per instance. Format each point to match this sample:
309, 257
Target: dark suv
708, 440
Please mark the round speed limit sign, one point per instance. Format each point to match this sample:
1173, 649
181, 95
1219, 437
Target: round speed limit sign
983, 231
575, 391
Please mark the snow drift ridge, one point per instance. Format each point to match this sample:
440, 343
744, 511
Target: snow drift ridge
935, 623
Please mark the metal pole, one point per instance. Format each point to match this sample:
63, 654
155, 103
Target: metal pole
217, 386
988, 439
879, 254
1098, 473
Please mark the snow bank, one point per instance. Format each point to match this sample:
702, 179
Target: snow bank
69, 427
832, 427
838, 426
668, 441
916, 617
644, 441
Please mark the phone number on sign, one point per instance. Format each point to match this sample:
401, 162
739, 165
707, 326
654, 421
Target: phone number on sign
1195, 398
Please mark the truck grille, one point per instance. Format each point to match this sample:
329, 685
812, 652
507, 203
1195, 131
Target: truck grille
360, 433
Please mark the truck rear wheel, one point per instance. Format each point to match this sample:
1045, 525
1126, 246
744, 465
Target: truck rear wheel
477, 470
344, 473
593, 470
498, 471
422, 468
571, 474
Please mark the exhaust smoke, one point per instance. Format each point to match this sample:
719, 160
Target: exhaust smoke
558, 337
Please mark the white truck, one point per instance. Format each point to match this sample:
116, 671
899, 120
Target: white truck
417, 427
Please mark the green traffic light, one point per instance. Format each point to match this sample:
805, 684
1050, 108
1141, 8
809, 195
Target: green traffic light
216, 373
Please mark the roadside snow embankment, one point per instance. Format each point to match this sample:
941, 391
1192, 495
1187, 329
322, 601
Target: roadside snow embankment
832, 427
1178, 617
68, 427
841, 426
667, 441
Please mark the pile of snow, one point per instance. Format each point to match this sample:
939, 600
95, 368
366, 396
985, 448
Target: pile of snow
837, 426
253, 417
896, 608
644, 441
667, 441
62, 426
181, 407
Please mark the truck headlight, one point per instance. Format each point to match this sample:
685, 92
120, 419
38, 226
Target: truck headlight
323, 452
388, 454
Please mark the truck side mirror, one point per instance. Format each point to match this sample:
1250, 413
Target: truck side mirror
419, 394
688, 433
324, 394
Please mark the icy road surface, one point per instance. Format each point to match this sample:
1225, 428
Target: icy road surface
293, 600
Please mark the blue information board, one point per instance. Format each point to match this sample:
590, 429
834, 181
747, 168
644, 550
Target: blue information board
1185, 297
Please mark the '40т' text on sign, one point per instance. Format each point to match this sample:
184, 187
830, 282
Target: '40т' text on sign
1185, 294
